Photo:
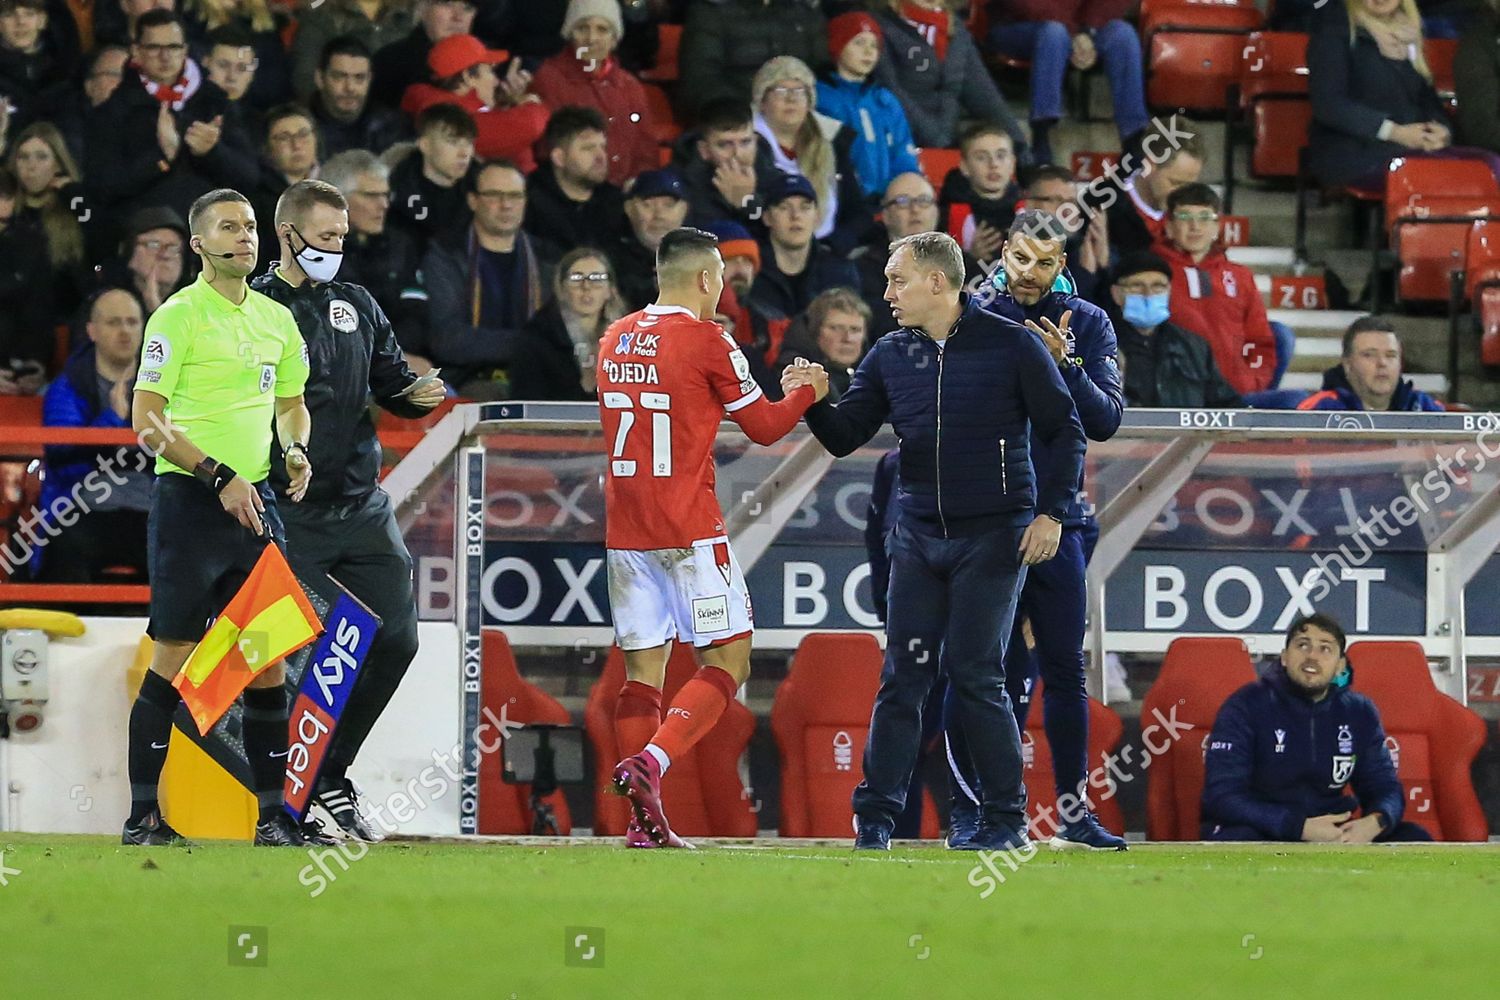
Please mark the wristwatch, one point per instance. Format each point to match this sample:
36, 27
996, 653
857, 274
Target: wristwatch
297, 446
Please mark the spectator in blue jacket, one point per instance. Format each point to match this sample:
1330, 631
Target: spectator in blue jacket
1287, 750
109, 486
1081, 341
883, 146
962, 388
1369, 375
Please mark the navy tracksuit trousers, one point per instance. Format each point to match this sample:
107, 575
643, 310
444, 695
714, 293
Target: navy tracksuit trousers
1054, 598
952, 602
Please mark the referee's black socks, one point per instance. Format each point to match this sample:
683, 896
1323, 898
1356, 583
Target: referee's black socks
150, 733
265, 733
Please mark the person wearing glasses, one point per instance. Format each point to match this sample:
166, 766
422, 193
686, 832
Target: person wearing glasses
1215, 297
811, 145
290, 155
152, 258
558, 349
163, 137
910, 206
384, 259
483, 285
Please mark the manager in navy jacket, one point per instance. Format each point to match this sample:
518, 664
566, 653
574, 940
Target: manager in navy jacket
1287, 750
1032, 288
962, 388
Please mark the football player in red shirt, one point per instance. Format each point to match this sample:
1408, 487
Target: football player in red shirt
666, 378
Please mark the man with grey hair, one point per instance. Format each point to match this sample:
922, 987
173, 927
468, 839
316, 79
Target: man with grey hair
384, 259
964, 390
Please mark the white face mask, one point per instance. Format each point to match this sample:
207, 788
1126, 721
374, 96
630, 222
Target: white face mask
319, 265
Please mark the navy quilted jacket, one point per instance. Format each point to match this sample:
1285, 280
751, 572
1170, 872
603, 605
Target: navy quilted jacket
964, 415
1095, 382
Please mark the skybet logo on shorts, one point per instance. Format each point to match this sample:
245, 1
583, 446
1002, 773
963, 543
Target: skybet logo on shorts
710, 614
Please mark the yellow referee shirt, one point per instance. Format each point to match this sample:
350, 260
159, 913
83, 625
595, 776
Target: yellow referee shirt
221, 368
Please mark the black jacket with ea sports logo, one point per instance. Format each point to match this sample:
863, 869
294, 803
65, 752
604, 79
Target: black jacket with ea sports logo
352, 355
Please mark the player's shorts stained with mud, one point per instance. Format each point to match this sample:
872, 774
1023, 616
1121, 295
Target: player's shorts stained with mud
695, 595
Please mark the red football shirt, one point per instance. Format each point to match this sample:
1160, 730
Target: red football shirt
666, 379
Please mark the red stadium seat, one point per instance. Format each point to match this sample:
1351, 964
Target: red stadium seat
936, 163
820, 718
1196, 676
668, 48
1488, 308
1280, 127
1239, 16
663, 119
1274, 63
1440, 53
702, 792
1193, 70
1430, 206
507, 808
1433, 738
1105, 730
1481, 257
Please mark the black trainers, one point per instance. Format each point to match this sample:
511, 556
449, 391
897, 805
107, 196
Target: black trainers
279, 831
316, 834
341, 802
152, 831
872, 837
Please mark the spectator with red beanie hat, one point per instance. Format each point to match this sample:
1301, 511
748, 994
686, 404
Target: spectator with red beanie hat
883, 147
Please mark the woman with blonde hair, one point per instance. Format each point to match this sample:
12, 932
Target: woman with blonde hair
784, 97
271, 84
52, 205
1372, 93
558, 348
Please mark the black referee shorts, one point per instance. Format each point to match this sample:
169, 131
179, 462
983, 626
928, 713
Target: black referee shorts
198, 554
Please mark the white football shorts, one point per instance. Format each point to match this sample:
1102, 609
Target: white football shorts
695, 595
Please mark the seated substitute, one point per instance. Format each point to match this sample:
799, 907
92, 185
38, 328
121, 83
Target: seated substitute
1296, 754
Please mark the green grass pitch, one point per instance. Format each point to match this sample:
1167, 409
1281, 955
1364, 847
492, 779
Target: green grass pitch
84, 917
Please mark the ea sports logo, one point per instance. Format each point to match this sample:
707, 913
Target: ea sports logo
342, 316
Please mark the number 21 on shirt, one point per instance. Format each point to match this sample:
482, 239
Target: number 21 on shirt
660, 428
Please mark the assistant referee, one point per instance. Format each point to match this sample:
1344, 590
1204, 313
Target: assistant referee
346, 527
219, 361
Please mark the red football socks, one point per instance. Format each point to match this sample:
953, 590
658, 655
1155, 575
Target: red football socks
694, 711
637, 717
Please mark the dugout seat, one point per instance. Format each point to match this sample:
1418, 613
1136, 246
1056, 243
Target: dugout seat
702, 793
1196, 676
1105, 730
820, 719
1433, 738
507, 808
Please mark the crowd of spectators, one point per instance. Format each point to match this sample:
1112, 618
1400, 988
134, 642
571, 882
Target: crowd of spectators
509, 175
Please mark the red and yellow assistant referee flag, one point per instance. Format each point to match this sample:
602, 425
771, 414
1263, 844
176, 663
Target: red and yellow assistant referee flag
270, 618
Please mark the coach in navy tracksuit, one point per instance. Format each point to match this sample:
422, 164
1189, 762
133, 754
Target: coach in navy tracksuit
1031, 288
1286, 750
962, 388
